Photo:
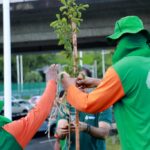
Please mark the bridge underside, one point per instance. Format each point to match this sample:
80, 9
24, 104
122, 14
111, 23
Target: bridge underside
31, 31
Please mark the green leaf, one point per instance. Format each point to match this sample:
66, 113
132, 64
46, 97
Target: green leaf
62, 8
54, 23
58, 16
69, 12
63, 2
79, 14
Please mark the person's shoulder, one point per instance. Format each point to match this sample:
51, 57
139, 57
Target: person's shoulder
106, 112
4, 120
106, 115
128, 63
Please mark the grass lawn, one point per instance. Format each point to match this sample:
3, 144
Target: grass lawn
112, 143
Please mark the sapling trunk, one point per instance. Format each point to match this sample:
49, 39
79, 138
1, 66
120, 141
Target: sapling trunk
75, 69
66, 27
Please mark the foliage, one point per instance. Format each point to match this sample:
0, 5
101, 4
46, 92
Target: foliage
69, 70
113, 143
90, 57
33, 76
69, 12
32, 62
13, 65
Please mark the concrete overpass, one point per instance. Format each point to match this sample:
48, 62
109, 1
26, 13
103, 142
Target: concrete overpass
31, 31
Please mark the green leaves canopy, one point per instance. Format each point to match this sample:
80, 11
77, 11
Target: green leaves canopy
69, 12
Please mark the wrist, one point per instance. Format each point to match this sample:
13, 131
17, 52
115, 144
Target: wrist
59, 136
88, 128
97, 82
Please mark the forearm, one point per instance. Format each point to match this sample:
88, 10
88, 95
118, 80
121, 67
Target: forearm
96, 82
108, 92
97, 132
93, 102
26, 127
46, 101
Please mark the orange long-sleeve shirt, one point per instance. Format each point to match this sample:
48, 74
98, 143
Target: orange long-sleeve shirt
24, 129
107, 93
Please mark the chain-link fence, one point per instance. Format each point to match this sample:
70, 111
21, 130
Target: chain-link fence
25, 90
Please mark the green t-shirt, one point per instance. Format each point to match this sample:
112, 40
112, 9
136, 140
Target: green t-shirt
87, 141
7, 141
132, 112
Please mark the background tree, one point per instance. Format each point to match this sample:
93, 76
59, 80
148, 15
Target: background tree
33, 76
31, 63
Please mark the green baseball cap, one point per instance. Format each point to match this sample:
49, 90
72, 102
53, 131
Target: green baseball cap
128, 24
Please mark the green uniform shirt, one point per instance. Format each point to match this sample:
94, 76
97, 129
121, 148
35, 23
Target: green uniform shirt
7, 141
128, 85
132, 113
87, 141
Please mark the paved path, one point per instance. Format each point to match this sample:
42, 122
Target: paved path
41, 142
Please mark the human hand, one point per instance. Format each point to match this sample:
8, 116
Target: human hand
87, 82
62, 128
51, 73
82, 126
67, 81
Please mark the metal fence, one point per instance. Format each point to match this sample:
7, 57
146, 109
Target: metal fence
25, 90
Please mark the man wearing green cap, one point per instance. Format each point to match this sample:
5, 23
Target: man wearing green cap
126, 85
15, 135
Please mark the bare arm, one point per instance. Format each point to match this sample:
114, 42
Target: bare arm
101, 131
98, 132
87, 82
62, 129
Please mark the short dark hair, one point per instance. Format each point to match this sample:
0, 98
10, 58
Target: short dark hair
87, 71
61, 93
